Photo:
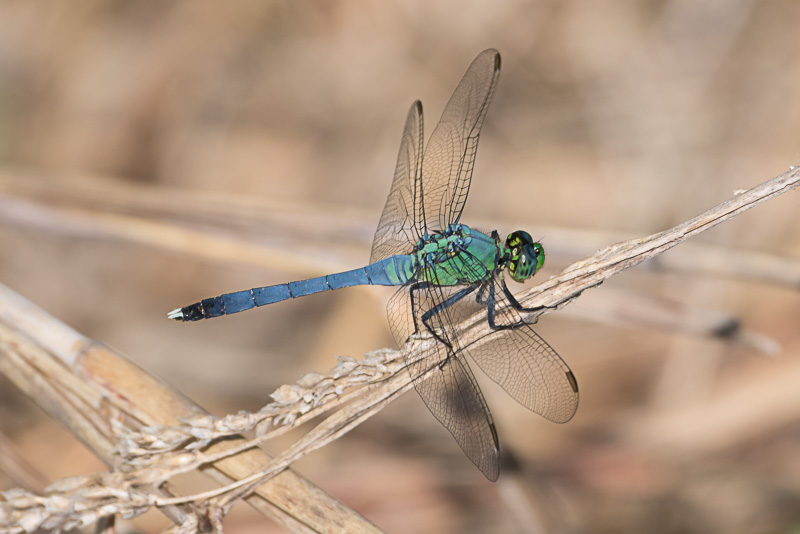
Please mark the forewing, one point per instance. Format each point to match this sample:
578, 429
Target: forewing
397, 233
525, 365
450, 154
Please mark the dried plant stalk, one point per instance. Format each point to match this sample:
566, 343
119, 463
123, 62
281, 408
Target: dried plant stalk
95, 393
124, 413
244, 229
592, 271
551, 294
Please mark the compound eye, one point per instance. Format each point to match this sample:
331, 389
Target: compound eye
538, 258
518, 239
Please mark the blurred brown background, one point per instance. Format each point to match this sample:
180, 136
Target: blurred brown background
128, 128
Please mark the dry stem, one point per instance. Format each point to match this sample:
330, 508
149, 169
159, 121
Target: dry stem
82, 386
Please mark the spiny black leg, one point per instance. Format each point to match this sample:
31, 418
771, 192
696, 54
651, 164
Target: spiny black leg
452, 299
417, 286
492, 304
517, 305
421, 286
479, 298
490, 308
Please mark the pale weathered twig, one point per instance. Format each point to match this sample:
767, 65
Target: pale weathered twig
564, 288
379, 384
592, 271
94, 391
630, 309
252, 232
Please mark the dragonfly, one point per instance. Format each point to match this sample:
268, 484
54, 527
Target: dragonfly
446, 271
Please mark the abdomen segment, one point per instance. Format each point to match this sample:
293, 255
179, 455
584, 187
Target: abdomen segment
392, 271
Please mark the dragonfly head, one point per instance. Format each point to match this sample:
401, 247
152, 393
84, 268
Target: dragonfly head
526, 255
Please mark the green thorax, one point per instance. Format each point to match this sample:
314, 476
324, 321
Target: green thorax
459, 255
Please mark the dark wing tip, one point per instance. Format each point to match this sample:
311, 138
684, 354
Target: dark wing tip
492, 51
573, 383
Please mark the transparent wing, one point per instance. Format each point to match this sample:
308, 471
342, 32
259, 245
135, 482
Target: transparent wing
401, 318
523, 363
450, 154
450, 392
449, 159
397, 232
453, 397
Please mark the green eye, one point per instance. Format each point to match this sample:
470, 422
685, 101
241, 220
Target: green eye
539, 253
526, 256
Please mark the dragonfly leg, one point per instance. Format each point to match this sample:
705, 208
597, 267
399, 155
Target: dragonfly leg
480, 297
514, 302
491, 305
414, 289
418, 286
487, 297
413, 292
439, 308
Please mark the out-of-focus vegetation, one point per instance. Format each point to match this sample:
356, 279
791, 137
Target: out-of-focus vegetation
277, 123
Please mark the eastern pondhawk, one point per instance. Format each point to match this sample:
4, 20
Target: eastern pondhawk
446, 270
